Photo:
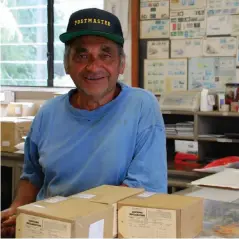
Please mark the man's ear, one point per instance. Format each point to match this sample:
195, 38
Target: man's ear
122, 65
66, 66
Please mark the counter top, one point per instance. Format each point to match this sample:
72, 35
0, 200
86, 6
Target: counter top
221, 220
173, 169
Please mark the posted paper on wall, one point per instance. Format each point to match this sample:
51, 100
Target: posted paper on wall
222, 3
220, 46
157, 49
154, 9
222, 11
186, 48
187, 4
154, 29
211, 72
121, 10
219, 25
237, 57
235, 25
187, 24
166, 75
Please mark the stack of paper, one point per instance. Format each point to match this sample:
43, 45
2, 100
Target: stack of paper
185, 129
171, 129
229, 178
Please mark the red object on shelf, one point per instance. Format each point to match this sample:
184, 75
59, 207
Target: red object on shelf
223, 161
185, 160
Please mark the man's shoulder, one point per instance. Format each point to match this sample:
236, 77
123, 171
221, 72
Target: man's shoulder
142, 95
53, 103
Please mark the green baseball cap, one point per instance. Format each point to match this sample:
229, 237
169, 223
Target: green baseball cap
95, 22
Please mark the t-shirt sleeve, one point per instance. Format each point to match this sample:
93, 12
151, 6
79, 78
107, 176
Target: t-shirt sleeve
148, 168
32, 170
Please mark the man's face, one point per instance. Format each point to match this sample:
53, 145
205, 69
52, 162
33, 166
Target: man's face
94, 65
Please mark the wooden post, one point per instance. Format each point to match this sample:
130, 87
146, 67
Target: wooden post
135, 42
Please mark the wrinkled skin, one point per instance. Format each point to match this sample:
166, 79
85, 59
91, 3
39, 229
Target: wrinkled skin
94, 65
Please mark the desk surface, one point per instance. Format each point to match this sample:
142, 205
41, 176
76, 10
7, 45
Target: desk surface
173, 169
221, 220
219, 216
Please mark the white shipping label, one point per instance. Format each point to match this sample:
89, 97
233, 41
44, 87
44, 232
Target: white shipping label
32, 226
55, 199
5, 143
146, 194
96, 229
147, 222
18, 110
83, 195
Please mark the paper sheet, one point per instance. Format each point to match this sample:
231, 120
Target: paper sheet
187, 4
235, 25
220, 46
186, 48
219, 25
157, 49
187, 24
237, 57
121, 10
96, 229
215, 194
226, 179
222, 4
211, 72
154, 29
154, 9
162, 76
184, 146
222, 11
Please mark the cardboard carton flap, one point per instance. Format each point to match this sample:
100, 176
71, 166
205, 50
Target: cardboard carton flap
108, 194
163, 201
69, 209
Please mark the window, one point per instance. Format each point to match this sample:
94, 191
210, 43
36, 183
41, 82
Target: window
30, 54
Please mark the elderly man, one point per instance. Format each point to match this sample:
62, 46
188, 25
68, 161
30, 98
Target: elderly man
101, 132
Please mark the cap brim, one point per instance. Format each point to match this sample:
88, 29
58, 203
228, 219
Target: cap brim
67, 36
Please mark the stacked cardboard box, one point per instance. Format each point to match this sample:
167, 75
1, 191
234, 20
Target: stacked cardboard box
93, 214
18, 109
160, 216
109, 195
60, 217
12, 131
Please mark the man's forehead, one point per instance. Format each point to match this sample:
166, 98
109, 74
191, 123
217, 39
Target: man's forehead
89, 41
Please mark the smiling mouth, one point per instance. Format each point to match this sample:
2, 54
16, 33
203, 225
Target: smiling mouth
94, 78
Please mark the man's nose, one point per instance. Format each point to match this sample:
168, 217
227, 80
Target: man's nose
93, 64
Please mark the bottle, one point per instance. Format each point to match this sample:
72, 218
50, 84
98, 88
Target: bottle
204, 104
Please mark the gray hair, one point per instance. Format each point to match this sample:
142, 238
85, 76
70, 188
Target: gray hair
68, 50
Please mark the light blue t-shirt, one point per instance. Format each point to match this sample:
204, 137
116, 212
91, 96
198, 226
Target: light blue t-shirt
70, 150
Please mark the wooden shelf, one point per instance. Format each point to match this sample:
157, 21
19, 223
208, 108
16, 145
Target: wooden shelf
208, 125
175, 112
217, 113
218, 140
180, 137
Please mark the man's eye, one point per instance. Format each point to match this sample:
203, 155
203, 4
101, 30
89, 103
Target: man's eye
82, 56
106, 56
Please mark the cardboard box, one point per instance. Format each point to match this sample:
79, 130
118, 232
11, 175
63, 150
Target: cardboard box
151, 215
61, 217
21, 109
110, 195
12, 131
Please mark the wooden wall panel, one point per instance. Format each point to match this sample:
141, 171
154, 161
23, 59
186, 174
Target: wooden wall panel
135, 42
